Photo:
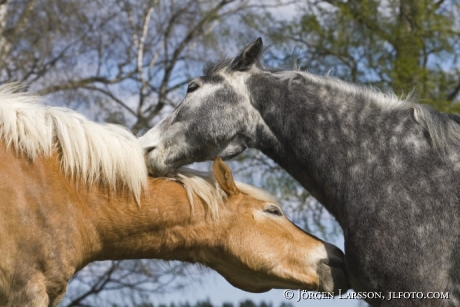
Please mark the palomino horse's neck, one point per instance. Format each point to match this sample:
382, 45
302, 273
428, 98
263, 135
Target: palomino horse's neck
163, 226
326, 134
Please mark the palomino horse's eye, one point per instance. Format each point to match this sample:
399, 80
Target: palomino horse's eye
274, 210
192, 87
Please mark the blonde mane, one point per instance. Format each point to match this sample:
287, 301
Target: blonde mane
205, 186
107, 154
95, 153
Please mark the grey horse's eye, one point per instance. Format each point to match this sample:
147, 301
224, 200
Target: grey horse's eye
192, 87
272, 209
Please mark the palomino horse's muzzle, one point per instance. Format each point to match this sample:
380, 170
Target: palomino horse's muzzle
331, 271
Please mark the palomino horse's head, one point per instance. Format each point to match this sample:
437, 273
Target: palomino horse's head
216, 117
258, 248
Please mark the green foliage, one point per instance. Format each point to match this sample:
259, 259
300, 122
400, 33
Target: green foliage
393, 45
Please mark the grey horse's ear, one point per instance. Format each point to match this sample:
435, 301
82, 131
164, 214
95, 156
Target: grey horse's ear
248, 57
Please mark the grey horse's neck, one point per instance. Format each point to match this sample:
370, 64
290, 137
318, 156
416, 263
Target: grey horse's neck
334, 138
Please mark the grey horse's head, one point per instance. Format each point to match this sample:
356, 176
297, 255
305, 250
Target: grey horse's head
216, 117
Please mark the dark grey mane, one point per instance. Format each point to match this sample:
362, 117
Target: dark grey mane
440, 127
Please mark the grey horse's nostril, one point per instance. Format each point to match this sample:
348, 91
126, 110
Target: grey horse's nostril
149, 149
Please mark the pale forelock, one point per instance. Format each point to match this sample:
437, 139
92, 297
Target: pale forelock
204, 185
255, 192
95, 153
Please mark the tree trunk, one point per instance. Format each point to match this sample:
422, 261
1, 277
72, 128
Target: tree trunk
409, 46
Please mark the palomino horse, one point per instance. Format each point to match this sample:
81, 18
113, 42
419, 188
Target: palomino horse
387, 169
73, 191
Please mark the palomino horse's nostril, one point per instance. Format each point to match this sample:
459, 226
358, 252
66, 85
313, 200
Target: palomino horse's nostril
333, 262
147, 150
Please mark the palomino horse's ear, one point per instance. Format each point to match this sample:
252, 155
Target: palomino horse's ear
248, 57
224, 177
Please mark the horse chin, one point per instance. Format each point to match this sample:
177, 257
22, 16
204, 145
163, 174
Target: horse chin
256, 290
250, 288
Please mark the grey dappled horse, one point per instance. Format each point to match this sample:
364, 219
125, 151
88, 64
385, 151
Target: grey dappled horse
387, 169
